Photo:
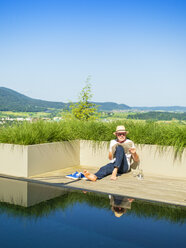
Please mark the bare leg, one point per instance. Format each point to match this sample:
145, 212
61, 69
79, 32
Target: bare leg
90, 176
114, 174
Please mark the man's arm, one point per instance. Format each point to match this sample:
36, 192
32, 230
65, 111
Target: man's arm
115, 171
110, 156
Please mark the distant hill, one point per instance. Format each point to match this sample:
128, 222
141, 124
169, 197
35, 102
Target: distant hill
158, 115
11, 100
110, 106
161, 108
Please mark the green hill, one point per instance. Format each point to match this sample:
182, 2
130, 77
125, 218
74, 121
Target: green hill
157, 115
11, 100
161, 108
109, 106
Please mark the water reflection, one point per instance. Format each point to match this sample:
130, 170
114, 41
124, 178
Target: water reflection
120, 204
26, 194
33, 200
35, 215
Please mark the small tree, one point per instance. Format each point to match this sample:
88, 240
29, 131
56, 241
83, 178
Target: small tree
84, 109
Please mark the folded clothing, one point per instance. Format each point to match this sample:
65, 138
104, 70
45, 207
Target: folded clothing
76, 175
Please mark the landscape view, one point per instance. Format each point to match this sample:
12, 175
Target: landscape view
18, 107
93, 123
22, 117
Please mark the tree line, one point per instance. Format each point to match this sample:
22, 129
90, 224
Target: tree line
156, 115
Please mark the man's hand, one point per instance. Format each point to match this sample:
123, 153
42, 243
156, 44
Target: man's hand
134, 154
132, 150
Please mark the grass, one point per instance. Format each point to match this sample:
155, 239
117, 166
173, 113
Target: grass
141, 132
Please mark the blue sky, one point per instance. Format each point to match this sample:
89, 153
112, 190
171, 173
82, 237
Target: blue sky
134, 50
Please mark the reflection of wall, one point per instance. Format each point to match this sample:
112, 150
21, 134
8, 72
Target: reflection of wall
26, 194
38, 193
14, 192
25, 161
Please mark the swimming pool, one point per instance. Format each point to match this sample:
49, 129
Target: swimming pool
35, 215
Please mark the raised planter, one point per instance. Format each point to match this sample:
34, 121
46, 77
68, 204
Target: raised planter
153, 159
158, 161
26, 161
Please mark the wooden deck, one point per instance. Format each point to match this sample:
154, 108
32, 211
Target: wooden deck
153, 188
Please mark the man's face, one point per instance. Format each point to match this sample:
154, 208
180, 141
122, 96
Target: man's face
121, 136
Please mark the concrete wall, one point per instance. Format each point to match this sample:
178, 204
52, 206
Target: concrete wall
94, 154
25, 161
13, 160
162, 162
54, 156
152, 159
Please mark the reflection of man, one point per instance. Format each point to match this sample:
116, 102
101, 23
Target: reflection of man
120, 204
122, 151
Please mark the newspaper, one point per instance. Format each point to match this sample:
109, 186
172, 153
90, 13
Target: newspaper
126, 145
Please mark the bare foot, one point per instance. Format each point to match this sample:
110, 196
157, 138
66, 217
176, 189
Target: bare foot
113, 177
90, 176
114, 174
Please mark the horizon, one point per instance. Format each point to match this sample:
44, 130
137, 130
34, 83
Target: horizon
99, 101
133, 50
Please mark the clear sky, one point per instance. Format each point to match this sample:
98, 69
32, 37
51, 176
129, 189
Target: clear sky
134, 50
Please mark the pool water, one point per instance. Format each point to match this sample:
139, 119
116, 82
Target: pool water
33, 215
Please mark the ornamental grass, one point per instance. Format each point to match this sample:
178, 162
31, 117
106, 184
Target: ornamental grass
141, 132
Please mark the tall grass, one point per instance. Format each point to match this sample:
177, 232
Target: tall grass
141, 132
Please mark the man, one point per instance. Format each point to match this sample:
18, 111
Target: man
121, 152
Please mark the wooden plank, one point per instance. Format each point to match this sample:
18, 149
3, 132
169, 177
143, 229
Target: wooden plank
154, 188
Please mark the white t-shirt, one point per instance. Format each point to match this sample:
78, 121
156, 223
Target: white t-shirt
128, 154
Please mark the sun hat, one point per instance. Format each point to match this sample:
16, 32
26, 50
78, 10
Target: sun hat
120, 129
118, 213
